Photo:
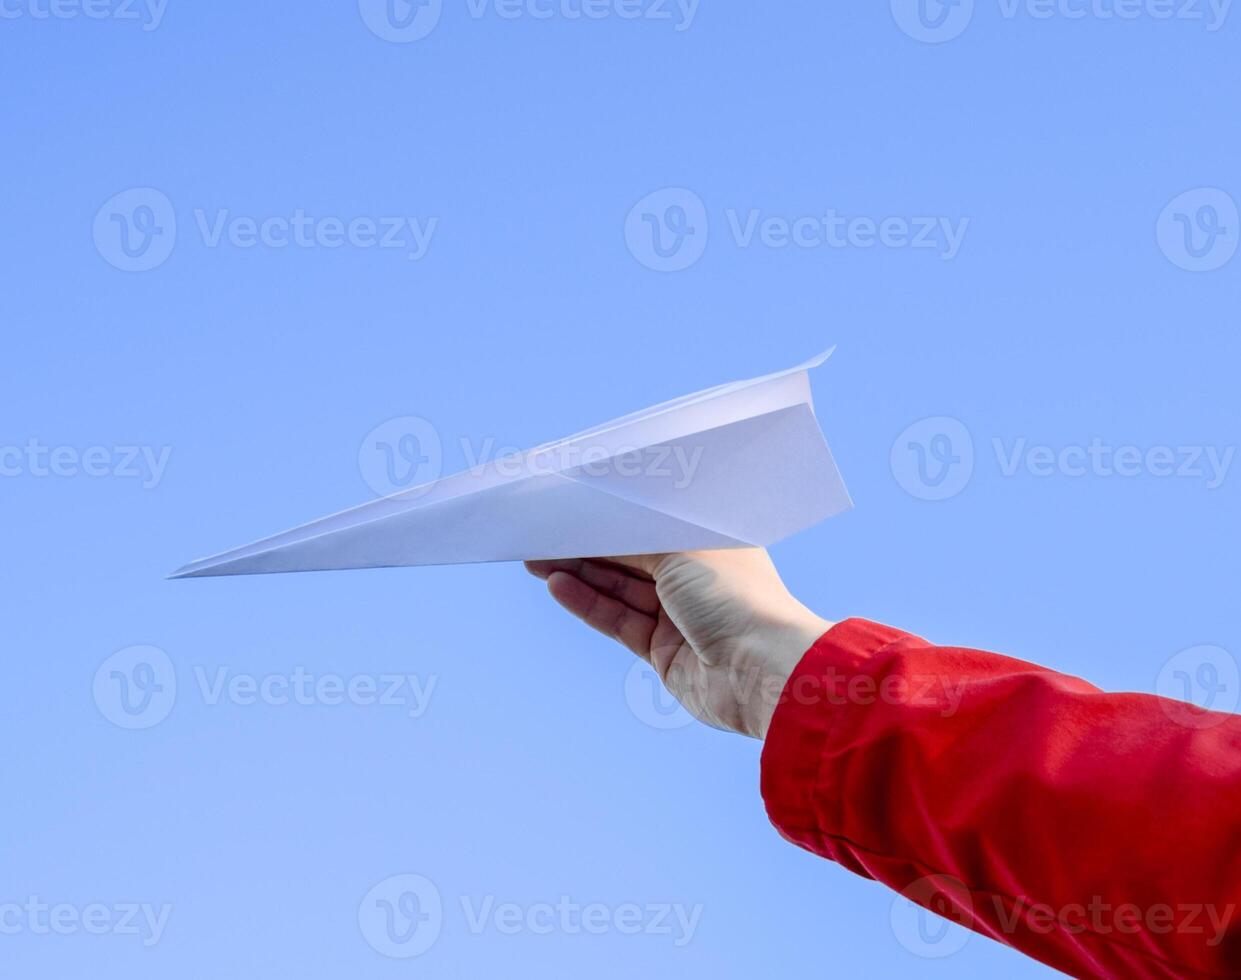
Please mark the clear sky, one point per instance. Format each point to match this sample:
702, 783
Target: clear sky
240, 239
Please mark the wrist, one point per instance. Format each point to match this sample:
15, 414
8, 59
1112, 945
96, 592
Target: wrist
777, 648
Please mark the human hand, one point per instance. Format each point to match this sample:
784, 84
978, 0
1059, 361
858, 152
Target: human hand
719, 627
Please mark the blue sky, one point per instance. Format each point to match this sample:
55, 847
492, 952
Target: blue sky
244, 246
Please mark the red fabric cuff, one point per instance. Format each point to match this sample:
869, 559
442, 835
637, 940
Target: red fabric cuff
791, 779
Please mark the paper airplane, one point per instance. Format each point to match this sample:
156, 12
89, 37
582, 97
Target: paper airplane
743, 464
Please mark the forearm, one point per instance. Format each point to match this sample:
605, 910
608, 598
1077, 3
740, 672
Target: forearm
1031, 793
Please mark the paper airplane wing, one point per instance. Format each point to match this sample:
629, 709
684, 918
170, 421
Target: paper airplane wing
739, 465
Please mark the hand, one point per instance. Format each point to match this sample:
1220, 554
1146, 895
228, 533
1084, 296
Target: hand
719, 627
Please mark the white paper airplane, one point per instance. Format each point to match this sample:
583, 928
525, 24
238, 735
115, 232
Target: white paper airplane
743, 464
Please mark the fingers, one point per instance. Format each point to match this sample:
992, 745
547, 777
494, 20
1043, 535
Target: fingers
544, 567
611, 580
646, 564
609, 616
642, 566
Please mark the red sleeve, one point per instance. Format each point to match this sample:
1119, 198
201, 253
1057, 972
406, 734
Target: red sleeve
1099, 833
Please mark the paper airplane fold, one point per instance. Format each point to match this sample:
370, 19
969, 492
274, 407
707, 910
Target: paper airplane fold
743, 464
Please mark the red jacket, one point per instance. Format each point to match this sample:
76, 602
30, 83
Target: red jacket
1099, 833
